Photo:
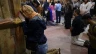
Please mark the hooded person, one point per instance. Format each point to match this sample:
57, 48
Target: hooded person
34, 30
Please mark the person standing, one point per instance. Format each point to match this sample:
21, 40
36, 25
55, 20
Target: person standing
85, 7
34, 4
68, 14
45, 7
34, 30
58, 7
52, 6
92, 3
76, 5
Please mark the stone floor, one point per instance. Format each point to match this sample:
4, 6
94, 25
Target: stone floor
59, 37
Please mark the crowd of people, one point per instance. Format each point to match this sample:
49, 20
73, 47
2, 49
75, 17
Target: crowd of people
81, 12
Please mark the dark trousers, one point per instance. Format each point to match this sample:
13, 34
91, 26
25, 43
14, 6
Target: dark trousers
58, 16
67, 21
91, 12
91, 50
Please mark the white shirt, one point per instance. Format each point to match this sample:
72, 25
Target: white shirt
85, 8
77, 4
92, 5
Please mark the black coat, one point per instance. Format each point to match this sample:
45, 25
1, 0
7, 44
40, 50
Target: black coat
68, 10
34, 29
77, 26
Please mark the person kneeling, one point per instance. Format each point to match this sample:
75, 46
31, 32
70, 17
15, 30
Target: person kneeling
33, 28
77, 29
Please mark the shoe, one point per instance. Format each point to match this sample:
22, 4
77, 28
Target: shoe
67, 28
58, 22
32, 52
86, 44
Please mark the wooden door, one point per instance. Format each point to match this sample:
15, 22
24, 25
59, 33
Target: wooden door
11, 36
